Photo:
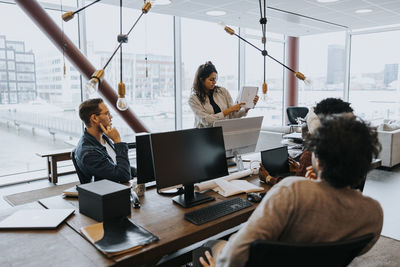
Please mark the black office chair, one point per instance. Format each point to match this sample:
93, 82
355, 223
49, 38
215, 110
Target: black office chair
296, 112
332, 254
82, 178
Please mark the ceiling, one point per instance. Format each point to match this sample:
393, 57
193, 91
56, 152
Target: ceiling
290, 17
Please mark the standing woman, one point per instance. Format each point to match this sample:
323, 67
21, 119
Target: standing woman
210, 102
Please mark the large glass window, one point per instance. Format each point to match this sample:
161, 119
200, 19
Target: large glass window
322, 59
148, 63
270, 105
36, 121
204, 41
374, 75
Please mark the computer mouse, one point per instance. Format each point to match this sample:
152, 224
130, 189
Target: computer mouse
135, 200
254, 197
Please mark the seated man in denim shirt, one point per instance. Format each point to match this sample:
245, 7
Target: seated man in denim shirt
100, 152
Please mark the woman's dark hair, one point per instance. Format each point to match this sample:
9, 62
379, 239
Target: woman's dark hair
89, 107
332, 105
345, 147
202, 73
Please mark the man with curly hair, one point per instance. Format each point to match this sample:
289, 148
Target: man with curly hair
299, 210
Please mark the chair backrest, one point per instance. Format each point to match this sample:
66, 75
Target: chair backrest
331, 254
82, 178
296, 112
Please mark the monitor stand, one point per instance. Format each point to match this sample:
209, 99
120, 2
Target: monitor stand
190, 198
239, 161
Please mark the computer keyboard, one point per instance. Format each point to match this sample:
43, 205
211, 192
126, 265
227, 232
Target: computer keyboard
216, 210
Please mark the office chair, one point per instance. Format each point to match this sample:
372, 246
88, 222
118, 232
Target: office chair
296, 112
329, 254
82, 178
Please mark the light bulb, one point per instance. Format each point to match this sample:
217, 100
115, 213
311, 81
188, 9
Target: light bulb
92, 86
122, 104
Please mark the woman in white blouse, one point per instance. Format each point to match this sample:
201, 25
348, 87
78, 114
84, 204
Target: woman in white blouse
210, 102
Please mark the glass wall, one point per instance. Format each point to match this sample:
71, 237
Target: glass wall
37, 99
270, 105
374, 75
201, 42
322, 59
148, 63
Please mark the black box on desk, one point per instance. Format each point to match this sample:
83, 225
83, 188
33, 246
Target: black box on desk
104, 200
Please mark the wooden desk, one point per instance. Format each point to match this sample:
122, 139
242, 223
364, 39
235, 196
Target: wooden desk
164, 219
60, 247
52, 158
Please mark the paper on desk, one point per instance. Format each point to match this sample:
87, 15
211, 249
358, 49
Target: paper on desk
230, 188
212, 183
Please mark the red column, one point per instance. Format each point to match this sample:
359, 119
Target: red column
292, 61
33, 9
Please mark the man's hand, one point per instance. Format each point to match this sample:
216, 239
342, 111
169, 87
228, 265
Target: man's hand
112, 133
210, 260
293, 165
310, 173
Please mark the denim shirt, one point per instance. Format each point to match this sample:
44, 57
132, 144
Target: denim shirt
93, 160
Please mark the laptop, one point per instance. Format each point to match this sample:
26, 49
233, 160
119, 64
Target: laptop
36, 219
276, 161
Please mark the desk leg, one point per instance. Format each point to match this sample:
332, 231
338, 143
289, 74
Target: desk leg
48, 169
53, 174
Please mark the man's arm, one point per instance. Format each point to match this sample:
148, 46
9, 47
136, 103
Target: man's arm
102, 167
267, 222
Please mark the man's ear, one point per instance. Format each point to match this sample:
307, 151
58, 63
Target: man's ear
93, 120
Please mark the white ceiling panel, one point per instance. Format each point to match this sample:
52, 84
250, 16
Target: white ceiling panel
290, 17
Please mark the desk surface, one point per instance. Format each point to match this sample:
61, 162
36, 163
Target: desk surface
60, 247
161, 217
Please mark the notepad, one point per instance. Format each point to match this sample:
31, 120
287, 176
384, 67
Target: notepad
230, 188
118, 236
246, 95
36, 219
70, 192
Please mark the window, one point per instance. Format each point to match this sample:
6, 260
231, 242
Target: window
271, 105
10, 54
3, 65
25, 67
322, 60
374, 77
201, 42
19, 33
152, 38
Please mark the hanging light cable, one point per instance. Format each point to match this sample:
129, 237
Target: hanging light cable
122, 104
93, 84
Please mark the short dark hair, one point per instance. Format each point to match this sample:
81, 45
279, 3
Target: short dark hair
203, 71
89, 107
332, 105
345, 147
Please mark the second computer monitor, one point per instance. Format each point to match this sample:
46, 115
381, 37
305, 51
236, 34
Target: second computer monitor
144, 159
186, 157
240, 135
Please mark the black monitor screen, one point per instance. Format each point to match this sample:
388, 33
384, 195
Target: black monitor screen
144, 160
188, 156
276, 161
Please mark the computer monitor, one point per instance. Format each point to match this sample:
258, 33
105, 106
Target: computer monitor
240, 136
144, 160
187, 157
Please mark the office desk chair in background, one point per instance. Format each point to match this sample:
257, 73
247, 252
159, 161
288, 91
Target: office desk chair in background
296, 112
82, 178
329, 254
